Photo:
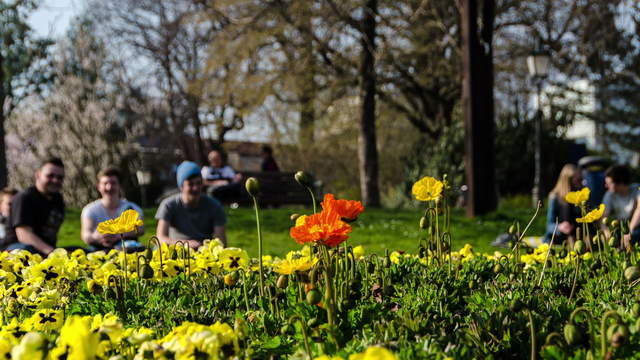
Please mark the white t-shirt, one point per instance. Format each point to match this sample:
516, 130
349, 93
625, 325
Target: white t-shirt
97, 212
621, 206
210, 173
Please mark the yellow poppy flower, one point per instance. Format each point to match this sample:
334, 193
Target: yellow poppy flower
125, 223
427, 189
374, 353
578, 197
592, 215
293, 265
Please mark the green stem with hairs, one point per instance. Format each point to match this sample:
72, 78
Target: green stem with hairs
532, 329
260, 270
603, 329
572, 319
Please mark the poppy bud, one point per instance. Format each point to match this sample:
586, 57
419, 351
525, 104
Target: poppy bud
614, 241
512, 229
283, 281
252, 186
578, 247
313, 297
286, 329
632, 273
303, 178
146, 272
615, 223
313, 322
572, 334
94, 287
294, 217
423, 222
228, 279
635, 310
148, 254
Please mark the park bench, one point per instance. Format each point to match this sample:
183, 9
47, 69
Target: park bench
280, 188
276, 189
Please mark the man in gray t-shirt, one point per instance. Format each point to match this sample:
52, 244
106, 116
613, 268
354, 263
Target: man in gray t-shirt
189, 215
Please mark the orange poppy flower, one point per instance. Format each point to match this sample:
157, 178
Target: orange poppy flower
325, 227
347, 209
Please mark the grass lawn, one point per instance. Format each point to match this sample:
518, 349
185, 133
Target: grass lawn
376, 229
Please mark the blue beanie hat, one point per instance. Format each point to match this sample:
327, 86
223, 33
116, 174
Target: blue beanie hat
186, 170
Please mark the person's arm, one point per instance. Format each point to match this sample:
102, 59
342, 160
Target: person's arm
26, 236
635, 220
220, 233
162, 232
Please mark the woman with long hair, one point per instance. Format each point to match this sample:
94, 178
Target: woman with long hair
570, 179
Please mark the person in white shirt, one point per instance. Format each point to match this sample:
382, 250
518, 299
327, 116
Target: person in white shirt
110, 206
621, 201
220, 180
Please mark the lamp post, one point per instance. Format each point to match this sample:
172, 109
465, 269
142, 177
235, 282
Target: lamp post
144, 179
538, 63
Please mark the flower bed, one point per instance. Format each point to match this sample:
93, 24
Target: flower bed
327, 300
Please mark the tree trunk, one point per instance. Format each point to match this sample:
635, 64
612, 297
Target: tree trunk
307, 86
479, 107
367, 149
3, 154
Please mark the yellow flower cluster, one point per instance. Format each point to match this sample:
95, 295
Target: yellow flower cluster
92, 337
371, 353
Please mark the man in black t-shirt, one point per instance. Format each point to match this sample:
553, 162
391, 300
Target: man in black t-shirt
38, 211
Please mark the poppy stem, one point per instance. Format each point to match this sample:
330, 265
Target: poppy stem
255, 206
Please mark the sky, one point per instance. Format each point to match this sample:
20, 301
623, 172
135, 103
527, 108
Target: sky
53, 16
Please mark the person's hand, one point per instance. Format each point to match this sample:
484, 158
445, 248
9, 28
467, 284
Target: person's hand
565, 227
106, 240
626, 241
194, 244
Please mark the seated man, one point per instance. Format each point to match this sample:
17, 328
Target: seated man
221, 180
621, 198
190, 215
109, 206
6, 198
38, 212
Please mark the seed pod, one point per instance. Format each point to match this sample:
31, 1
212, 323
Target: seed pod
572, 334
302, 178
313, 297
253, 186
632, 273
283, 281
578, 247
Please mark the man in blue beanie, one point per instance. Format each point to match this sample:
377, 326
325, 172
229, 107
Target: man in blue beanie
190, 215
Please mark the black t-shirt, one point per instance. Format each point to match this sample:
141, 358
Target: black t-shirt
33, 209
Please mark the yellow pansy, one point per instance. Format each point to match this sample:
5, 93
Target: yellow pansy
578, 197
125, 223
234, 259
592, 215
76, 340
427, 189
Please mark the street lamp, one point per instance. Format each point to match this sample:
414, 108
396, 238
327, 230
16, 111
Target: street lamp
538, 63
144, 179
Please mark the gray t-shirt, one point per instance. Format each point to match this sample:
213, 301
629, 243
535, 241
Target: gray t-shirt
621, 206
97, 212
187, 223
